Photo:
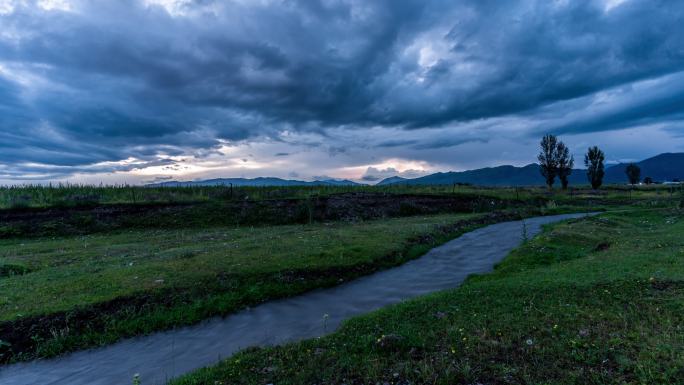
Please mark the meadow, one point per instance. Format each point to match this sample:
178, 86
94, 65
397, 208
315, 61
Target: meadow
591, 301
87, 266
74, 278
70, 195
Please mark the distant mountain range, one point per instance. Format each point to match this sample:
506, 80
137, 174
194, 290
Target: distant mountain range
662, 168
490, 176
392, 180
261, 181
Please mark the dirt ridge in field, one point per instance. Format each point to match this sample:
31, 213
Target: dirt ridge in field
60, 221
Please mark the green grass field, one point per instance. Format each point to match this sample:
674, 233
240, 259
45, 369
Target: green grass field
68, 293
73, 277
86, 266
590, 301
75, 195
124, 263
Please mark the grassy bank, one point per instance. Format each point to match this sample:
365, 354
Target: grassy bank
69, 196
597, 301
51, 222
68, 293
64, 220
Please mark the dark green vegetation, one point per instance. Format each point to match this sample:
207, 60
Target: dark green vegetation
591, 301
88, 197
60, 221
208, 207
49, 211
78, 285
633, 173
132, 261
548, 162
594, 162
555, 161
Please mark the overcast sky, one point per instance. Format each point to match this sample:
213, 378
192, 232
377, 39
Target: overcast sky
137, 91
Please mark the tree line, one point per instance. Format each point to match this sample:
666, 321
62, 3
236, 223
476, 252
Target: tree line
555, 161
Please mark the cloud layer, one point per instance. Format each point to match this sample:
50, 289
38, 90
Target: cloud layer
195, 87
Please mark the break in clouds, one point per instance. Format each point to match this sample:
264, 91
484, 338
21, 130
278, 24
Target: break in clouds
148, 89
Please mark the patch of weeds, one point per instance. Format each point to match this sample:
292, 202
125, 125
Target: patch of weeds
408, 209
602, 246
9, 231
9, 270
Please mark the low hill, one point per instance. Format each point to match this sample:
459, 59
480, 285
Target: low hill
391, 180
336, 182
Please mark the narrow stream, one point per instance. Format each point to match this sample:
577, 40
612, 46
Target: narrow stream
161, 356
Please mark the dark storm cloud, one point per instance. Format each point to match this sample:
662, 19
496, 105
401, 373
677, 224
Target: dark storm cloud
396, 143
112, 80
645, 103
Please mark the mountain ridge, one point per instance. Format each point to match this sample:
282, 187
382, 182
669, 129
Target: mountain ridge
662, 167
